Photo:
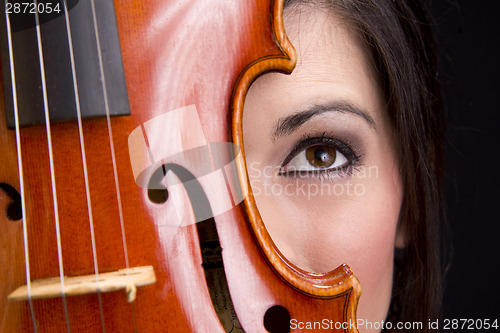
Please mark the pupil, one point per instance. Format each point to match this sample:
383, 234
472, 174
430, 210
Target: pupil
321, 155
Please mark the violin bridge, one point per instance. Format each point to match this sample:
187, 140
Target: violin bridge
123, 279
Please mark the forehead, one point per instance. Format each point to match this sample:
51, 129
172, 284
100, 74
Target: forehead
328, 47
332, 63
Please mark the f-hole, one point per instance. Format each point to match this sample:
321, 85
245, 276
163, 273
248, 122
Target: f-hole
211, 250
13, 209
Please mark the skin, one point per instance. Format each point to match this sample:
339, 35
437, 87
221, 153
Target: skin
356, 221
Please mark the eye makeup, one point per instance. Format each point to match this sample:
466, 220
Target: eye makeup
321, 156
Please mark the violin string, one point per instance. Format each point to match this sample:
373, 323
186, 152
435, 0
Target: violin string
84, 161
110, 133
51, 161
112, 148
20, 168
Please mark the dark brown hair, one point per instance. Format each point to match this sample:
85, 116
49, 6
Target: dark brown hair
399, 36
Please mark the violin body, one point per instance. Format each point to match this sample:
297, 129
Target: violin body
176, 54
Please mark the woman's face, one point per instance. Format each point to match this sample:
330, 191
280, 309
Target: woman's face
321, 156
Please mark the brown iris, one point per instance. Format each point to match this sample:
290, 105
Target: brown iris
321, 156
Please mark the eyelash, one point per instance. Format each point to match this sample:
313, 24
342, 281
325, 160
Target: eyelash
354, 159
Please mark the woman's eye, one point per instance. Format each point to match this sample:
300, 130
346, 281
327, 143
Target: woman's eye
316, 158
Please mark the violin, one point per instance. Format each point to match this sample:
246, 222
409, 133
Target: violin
125, 204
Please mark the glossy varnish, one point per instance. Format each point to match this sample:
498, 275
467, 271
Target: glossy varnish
175, 54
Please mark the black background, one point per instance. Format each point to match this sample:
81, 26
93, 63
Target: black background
469, 35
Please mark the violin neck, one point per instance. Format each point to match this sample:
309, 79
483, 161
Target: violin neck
80, 56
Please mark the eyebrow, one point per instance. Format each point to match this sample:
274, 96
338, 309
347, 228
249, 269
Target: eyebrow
291, 123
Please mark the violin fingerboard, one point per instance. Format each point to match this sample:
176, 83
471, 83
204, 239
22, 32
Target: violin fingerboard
91, 47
